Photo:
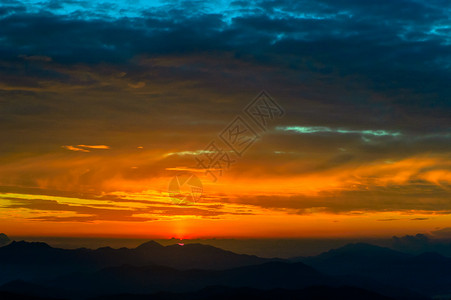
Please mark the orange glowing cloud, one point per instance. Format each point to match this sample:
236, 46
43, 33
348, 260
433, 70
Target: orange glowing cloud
72, 148
84, 148
94, 146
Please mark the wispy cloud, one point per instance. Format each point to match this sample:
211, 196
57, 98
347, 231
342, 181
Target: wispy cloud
195, 152
94, 146
85, 148
321, 129
72, 148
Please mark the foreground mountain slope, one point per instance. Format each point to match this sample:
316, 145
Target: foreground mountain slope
222, 293
128, 279
131, 279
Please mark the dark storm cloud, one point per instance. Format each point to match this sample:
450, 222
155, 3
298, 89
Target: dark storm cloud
395, 56
325, 41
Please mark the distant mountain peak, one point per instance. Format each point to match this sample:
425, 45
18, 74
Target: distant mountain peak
149, 245
364, 251
107, 248
4, 239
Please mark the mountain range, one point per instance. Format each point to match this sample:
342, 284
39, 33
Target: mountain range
38, 270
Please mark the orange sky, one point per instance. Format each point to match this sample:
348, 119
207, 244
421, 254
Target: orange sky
375, 200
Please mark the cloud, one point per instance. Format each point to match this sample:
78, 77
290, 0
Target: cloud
36, 58
72, 148
365, 88
137, 85
86, 148
317, 129
70, 209
411, 243
94, 146
192, 153
421, 243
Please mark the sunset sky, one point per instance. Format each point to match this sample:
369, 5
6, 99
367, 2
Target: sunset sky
102, 103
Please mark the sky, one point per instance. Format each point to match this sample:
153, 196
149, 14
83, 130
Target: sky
104, 103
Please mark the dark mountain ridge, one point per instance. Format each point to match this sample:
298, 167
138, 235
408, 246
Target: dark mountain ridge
427, 273
28, 261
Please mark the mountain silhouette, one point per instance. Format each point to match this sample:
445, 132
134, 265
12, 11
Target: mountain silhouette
18, 296
224, 293
4, 239
345, 259
25, 289
150, 245
427, 273
28, 261
128, 279
42, 270
151, 279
